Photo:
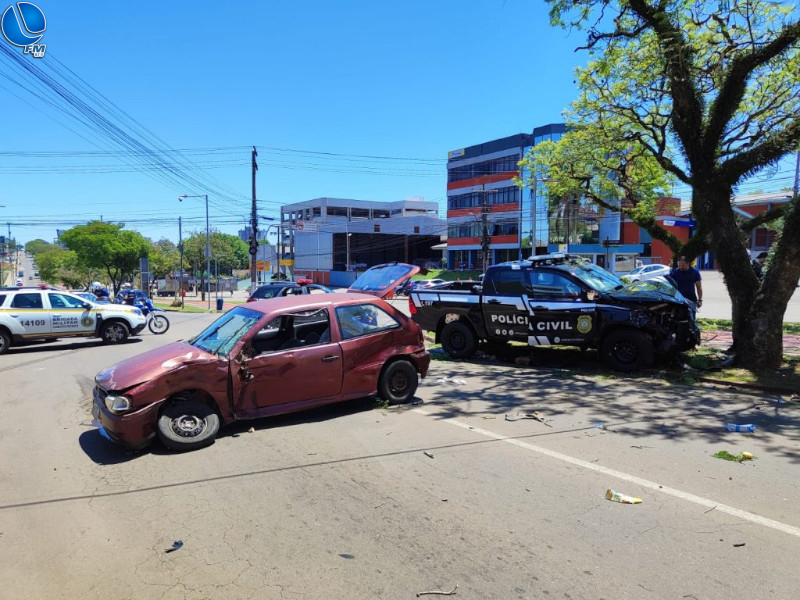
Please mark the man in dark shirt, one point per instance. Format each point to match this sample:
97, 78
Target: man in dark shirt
688, 280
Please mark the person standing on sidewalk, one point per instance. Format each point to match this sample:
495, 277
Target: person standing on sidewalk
688, 280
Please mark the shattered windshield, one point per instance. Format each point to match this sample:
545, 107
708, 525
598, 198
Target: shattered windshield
654, 285
596, 277
221, 336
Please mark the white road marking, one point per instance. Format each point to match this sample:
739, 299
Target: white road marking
699, 500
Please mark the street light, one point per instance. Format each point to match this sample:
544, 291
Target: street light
208, 247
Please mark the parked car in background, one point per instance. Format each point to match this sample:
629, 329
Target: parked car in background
645, 272
88, 295
286, 288
92, 297
428, 283
273, 356
417, 284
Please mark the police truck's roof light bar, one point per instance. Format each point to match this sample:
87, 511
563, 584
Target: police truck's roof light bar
550, 259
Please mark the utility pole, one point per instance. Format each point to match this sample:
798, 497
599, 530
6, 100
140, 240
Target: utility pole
180, 247
253, 226
796, 189
486, 240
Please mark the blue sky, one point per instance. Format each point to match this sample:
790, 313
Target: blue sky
411, 80
315, 86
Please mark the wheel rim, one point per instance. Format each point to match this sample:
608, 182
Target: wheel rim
399, 383
188, 425
458, 341
115, 332
626, 351
2, 343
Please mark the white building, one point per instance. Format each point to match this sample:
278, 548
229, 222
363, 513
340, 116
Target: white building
328, 239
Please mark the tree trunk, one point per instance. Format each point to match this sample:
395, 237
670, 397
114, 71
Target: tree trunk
757, 306
712, 205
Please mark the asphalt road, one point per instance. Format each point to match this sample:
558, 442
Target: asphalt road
717, 302
356, 501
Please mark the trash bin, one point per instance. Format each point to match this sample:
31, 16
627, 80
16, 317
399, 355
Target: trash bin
219, 304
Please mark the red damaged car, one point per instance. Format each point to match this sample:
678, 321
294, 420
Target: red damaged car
266, 358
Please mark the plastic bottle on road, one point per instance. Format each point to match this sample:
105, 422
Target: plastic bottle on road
749, 428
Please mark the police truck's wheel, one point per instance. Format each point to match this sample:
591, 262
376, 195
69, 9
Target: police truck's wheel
398, 382
627, 350
187, 425
458, 340
5, 341
114, 332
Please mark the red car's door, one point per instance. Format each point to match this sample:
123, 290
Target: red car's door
297, 367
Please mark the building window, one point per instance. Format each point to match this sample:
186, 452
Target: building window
359, 213
337, 211
376, 228
416, 229
481, 169
505, 195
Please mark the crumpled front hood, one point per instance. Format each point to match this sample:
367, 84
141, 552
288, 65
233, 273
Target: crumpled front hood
649, 291
150, 365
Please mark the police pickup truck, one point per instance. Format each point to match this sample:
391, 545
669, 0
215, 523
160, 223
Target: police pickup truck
559, 300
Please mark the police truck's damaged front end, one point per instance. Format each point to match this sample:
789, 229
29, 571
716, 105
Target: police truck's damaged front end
659, 309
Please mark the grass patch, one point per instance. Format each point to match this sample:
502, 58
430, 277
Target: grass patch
185, 309
705, 363
727, 325
449, 275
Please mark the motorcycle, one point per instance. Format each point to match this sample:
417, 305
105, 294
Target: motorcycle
156, 323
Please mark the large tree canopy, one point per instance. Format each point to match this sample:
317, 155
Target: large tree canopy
710, 92
107, 247
227, 251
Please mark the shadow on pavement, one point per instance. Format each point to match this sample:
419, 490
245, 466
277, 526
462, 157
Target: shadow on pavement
638, 406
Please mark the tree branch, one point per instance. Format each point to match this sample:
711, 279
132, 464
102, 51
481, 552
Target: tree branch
735, 84
770, 150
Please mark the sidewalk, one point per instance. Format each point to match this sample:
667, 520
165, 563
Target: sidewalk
722, 340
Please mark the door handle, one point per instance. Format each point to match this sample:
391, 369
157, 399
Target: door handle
540, 308
330, 358
493, 302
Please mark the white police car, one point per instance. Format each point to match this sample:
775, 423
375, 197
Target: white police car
28, 314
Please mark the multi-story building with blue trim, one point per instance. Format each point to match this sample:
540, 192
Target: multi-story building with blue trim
481, 178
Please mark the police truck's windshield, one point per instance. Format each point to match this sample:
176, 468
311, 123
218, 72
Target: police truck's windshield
596, 277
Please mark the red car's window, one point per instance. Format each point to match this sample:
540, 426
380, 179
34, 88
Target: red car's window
362, 319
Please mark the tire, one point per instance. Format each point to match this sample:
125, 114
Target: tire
114, 332
398, 382
187, 425
458, 340
627, 350
5, 341
158, 324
